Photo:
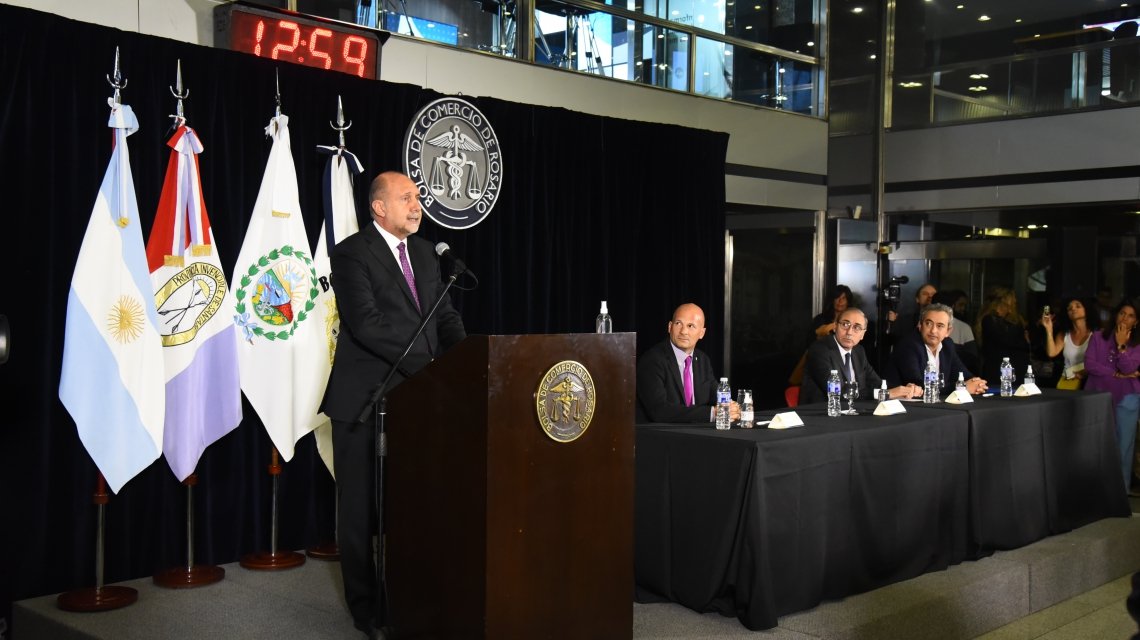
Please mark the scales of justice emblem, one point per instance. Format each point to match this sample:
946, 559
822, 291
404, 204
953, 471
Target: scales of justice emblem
452, 154
565, 401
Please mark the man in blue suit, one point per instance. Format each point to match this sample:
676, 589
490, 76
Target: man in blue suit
931, 344
842, 352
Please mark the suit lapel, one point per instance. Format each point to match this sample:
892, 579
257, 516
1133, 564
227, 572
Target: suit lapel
379, 248
675, 373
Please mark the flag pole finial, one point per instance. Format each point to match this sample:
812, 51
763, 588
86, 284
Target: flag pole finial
181, 94
340, 127
116, 79
277, 76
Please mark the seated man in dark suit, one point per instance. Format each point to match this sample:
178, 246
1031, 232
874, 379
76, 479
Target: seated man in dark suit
832, 353
675, 381
932, 344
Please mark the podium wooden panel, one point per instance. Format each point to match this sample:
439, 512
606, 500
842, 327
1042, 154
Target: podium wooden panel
495, 530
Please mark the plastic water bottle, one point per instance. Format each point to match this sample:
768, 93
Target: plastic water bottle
884, 395
834, 389
1029, 377
747, 411
723, 398
1006, 378
604, 324
930, 390
961, 384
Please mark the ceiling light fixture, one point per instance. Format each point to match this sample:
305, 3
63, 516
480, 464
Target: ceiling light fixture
983, 18
1018, 20
978, 88
857, 10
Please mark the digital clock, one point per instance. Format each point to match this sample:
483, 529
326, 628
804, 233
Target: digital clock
292, 37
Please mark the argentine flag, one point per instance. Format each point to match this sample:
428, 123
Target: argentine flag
199, 342
340, 222
284, 329
111, 380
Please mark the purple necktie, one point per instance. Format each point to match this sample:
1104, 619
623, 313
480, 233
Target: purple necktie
407, 268
688, 376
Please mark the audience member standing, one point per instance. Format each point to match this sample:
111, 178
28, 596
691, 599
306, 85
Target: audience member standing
1112, 359
1001, 333
1070, 339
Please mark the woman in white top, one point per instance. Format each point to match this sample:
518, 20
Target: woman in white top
1071, 339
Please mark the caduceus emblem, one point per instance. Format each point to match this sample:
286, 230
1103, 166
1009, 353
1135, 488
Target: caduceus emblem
454, 163
565, 401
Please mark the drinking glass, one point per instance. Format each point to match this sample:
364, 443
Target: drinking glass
851, 392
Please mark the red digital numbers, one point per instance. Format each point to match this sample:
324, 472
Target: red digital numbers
291, 27
360, 56
300, 42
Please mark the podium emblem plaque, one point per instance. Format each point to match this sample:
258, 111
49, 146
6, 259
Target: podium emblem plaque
565, 401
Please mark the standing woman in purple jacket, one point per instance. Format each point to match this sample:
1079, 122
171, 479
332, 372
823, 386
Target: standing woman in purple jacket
1112, 359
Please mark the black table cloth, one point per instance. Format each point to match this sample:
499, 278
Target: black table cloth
761, 523
1040, 465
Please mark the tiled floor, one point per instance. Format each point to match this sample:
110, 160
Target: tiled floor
1099, 613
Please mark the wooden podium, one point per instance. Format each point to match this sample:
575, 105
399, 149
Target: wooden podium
496, 529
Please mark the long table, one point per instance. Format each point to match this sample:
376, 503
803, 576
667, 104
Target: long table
761, 523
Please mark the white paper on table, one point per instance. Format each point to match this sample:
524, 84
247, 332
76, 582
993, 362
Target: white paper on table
785, 420
960, 396
1027, 390
889, 408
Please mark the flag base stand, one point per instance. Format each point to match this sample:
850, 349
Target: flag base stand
324, 551
190, 574
97, 599
272, 560
100, 597
199, 575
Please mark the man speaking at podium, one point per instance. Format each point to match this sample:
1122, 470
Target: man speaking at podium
385, 281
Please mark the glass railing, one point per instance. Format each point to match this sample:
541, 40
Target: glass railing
1089, 76
724, 49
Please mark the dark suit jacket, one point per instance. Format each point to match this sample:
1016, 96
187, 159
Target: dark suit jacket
378, 317
908, 363
823, 356
661, 393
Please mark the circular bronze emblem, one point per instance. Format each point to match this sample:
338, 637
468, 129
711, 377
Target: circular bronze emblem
565, 401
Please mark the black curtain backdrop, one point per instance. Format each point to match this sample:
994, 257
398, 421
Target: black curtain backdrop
591, 208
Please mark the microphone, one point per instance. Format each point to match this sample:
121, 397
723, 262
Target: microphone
442, 250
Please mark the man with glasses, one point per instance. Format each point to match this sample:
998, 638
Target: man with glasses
932, 344
841, 351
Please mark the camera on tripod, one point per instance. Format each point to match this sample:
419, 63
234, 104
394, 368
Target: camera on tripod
892, 293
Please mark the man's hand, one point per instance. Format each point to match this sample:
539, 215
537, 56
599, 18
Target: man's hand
976, 386
733, 411
909, 390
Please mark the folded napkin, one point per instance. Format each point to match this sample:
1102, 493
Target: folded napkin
889, 408
960, 396
785, 420
1027, 390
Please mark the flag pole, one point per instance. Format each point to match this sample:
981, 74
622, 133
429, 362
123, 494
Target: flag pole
99, 598
190, 574
273, 559
329, 550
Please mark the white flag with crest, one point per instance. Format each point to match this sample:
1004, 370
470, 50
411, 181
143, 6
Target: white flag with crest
283, 352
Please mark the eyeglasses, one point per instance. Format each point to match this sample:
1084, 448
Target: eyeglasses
847, 325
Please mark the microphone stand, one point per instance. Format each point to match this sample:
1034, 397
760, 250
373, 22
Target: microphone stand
378, 406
